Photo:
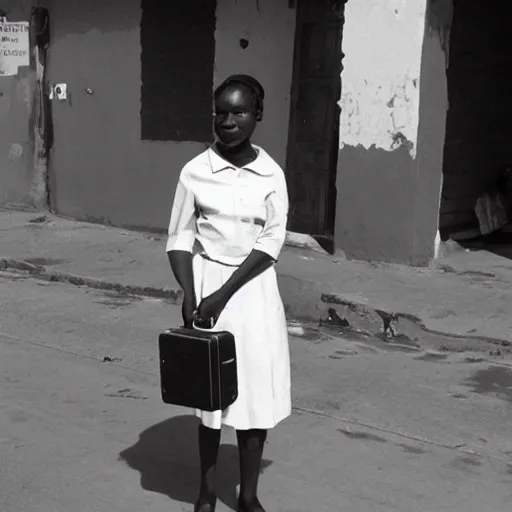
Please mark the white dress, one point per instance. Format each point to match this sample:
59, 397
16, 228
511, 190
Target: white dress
220, 214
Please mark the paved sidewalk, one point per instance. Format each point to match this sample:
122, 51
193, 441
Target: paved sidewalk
464, 294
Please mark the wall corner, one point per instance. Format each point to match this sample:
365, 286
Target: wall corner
433, 110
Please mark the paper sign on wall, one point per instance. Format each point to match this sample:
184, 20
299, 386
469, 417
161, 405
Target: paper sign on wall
14, 46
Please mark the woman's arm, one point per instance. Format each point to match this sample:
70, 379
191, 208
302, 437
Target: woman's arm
181, 265
255, 264
212, 306
180, 243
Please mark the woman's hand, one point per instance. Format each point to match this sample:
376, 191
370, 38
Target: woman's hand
188, 308
212, 306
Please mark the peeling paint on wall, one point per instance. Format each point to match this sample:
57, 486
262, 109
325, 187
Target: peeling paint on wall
393, 119
382, 43
15, 152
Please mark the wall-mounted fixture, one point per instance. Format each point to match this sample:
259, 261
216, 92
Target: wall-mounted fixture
59, 92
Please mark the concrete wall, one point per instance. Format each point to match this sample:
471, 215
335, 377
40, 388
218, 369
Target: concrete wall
100, 169
269, 26
16, 136
432, 128
388, 193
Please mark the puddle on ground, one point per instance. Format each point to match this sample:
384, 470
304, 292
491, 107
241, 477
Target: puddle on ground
398, 344
496, 380
45, 262
306, 332
445, 343
366, 342
403, 339
347, 333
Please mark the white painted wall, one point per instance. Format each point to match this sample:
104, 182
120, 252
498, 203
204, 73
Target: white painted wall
269, 26
382, 41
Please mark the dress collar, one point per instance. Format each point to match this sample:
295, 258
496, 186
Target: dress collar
262, 164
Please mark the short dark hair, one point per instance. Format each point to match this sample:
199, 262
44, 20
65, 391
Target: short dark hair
248, 81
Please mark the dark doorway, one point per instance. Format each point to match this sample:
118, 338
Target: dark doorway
478, 128
313, 141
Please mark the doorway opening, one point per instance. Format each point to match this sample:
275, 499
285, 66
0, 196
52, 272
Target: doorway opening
313, 140
478, 149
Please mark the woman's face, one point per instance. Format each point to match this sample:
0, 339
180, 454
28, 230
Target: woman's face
235, 116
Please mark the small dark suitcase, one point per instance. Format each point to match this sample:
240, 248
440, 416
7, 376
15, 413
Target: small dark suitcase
198, 368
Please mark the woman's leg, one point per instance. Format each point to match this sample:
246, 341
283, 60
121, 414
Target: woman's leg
209, 441
250, 447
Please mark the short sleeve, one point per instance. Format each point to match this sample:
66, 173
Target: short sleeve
273, 236
182, 226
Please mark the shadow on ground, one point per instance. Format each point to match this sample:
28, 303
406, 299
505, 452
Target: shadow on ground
167, 458
499, 243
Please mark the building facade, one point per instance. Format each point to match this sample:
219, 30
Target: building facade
18, 184
356, 110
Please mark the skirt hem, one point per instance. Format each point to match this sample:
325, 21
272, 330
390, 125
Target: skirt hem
227, 423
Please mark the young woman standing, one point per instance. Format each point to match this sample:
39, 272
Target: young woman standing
227, 228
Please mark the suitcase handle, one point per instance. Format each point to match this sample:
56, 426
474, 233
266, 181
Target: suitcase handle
200, 328
210, 324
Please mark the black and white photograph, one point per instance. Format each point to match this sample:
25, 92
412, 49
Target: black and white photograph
255, 256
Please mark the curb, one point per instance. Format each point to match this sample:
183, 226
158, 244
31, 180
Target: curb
363, 309
358, 317
351, 315
301, 241
40, 272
